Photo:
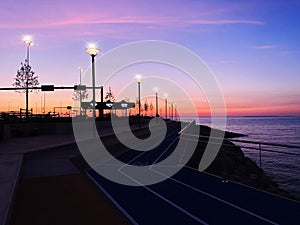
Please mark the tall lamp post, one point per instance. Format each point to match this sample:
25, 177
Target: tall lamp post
29, 43
172, 110
92, 51
80, 94
166, 105
138, 79
156, 100
175, 111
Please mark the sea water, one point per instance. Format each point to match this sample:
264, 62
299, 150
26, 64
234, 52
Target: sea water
284, 169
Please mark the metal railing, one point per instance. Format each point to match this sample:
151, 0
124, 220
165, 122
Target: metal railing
256, 145
259, 145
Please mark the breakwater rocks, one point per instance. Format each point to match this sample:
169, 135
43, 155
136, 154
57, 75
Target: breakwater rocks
232, 164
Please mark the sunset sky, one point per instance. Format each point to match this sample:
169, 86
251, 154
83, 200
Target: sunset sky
252, 47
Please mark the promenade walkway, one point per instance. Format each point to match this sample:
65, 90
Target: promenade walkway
11, 157
190, 197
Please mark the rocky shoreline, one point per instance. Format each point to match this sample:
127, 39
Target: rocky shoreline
231, 164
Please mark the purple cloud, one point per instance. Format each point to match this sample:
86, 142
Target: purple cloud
265, 46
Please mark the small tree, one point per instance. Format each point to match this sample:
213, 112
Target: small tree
76, 95
25, 80
80, 95
137, 107
109, 96
151, 108
146, 106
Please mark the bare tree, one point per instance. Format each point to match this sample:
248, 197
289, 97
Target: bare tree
109, 96
25, 80
80, 95
76, 95
151, 108
137, 106
146, 106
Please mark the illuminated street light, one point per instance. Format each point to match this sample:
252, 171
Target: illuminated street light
166, 105
156, 100
175, 111
93, 51
80, 94
172, 110
28, 42
139, 79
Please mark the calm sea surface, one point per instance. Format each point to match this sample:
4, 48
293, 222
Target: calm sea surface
283, 168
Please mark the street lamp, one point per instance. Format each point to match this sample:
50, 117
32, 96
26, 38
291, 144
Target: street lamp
166, 105
28, 42
80, 94
175, 111
93, 51
138, 79
156, 100
172, 110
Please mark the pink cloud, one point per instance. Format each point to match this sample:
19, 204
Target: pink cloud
76, 20
265, 47
163, 20
222, 22
61, 13
115, 20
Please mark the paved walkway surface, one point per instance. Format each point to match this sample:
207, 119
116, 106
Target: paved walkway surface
11, 157
34, 143
9, 172
193, 198
62, 200
188, 197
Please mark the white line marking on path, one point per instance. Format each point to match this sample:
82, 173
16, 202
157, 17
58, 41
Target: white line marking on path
210, 195
157, 194
166, 200
217, 198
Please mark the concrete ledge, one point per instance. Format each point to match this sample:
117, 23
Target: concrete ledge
11, 164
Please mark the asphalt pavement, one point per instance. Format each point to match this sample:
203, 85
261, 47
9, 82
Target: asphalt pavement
189, 197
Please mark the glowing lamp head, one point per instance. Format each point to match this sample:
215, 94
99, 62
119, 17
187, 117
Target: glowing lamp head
156, 89
27, 40
92, 51
138, 78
